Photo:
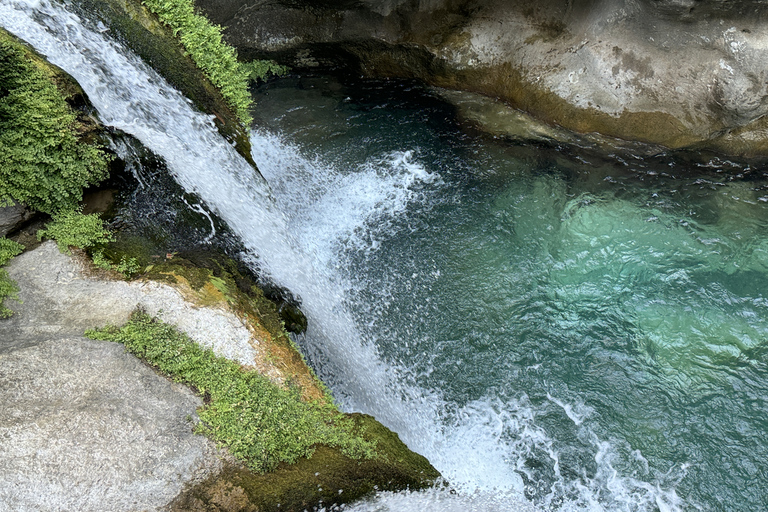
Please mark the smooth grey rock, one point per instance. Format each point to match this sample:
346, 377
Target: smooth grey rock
86, 427
83, 425
672, 72
57, 297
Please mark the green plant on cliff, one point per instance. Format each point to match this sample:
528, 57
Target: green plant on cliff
260, 70
8, 288
260, 422
72, 228
43, 163
218, 60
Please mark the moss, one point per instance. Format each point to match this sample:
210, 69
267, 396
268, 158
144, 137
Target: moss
154, 42
204, 44
44, 161
326, 478
260, 423
8, 287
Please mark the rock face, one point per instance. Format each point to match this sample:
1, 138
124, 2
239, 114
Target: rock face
86, 427
83, 425
671, 72
12, 217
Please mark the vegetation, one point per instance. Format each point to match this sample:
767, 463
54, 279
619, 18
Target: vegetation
260, 422
259, 70
8, 288
72, 228
218, 60
43, 163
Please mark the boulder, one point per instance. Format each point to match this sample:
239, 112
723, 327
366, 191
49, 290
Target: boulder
13, 217
85, 426
671, 72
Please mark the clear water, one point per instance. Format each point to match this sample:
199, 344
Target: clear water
586, 331
554, 329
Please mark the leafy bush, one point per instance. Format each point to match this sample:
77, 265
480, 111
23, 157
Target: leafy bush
72, 228
8, 288
260, 422
213, 56
42, 162
261, 69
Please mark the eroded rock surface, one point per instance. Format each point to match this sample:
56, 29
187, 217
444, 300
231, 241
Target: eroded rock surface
86, 427
671, 72
83, 425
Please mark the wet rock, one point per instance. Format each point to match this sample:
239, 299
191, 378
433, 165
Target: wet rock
670, 72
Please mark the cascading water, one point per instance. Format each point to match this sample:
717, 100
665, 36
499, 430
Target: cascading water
551, 337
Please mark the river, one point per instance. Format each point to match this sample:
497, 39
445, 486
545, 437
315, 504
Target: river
555, 328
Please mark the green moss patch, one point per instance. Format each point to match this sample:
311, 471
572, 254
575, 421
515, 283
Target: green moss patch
8, 287
204, 44
259, 422
43, 161
327, 478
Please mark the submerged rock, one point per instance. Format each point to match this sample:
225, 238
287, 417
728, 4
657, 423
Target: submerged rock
676, 73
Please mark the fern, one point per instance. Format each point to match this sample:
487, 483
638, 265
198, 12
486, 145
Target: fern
42, 161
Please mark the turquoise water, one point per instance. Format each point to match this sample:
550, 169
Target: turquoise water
588, 331
556, 328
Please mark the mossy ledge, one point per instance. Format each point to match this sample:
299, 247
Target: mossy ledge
155, 43
326, 479
330, 474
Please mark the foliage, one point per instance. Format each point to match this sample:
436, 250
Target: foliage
127, 266
72, 228
260, 422
8, 288
42, 162
203, 42
259, 70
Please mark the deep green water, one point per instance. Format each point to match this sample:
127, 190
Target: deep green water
589, 329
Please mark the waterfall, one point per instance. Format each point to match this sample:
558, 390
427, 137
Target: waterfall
471, 447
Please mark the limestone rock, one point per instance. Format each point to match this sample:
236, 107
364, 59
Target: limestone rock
670, 72
86, 427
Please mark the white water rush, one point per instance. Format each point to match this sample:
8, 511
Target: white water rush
551, 338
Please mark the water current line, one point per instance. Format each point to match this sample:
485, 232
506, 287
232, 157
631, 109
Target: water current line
132, 97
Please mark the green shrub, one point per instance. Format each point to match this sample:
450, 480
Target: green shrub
260, 422
126, 266
8, 288
214, 57
260, 70
42, 162
72, 228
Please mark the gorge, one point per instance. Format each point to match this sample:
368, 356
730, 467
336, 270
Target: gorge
555, 325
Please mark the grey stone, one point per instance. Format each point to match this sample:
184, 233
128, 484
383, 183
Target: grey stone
85, 426
13, 217
672, 72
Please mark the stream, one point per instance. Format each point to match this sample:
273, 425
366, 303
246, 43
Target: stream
555, 328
